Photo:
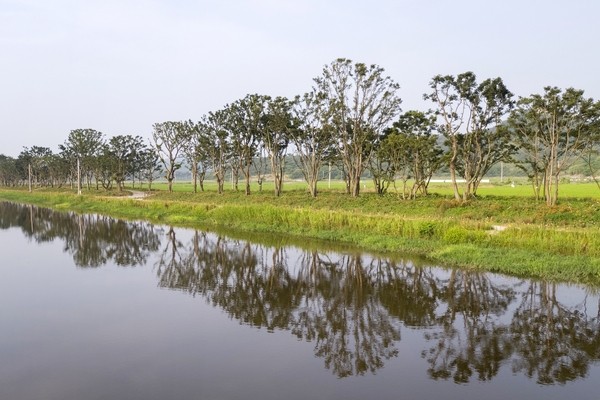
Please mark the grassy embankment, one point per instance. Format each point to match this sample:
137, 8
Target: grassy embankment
557, 243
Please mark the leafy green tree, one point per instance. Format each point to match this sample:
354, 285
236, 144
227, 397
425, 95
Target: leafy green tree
70, 158
362, 102
105, 168
123, 149
410, 147
243, 122
149, 165
470, 119
382, 170
277, 123
38, 159
312, 137
487, 141
58, 169
138, 146
32, 165
217, 146
591, 161
195, 151
169, 139
23, 166
553, 130
9, 175
259, 165
391, 163
451, 108
83, 145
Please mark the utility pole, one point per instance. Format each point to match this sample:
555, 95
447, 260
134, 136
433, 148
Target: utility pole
29, 168
501, 171
329, 184
78, 176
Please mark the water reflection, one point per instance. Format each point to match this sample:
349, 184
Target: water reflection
552, 342
351, 307
331, 303
470, 338
92, 240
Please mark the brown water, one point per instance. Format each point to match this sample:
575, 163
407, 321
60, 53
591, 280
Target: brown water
97, 308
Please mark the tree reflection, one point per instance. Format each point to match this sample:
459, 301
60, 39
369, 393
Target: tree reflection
233, 275
409, 293
332, 303
553, 343
341, 312
544, 339
92, 240
471, 339
351, 307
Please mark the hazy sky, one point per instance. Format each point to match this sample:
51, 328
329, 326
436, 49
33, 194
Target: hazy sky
119, 66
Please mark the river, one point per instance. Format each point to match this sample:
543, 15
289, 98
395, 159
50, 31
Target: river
93, 307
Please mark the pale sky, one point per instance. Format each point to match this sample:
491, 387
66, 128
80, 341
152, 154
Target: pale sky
119, 66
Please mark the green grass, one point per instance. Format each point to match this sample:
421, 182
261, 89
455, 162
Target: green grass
558, 243
571, 212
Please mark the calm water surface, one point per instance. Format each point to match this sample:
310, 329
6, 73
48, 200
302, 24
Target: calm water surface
97, 308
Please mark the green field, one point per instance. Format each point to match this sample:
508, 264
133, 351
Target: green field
569, 190
495, 188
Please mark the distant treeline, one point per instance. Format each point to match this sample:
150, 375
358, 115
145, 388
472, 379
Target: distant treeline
350, 120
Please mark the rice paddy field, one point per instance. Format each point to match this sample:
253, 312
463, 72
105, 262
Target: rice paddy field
521, 188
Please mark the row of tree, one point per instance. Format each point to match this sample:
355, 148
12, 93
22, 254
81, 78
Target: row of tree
86, 156
338, 122
346, 121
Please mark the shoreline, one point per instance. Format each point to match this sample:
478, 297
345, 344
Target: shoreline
521, 250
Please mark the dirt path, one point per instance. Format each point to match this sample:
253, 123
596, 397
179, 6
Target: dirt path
137, 195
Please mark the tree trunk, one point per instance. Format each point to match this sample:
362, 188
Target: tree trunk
555, 197
312, 187
78, 177
355, 187
274, 172
453, 167
454, 184
246, 173
194, 177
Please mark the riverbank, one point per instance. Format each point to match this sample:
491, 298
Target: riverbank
515, 236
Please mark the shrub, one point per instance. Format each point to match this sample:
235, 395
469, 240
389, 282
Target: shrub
427, 229
477, 236
456, 235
